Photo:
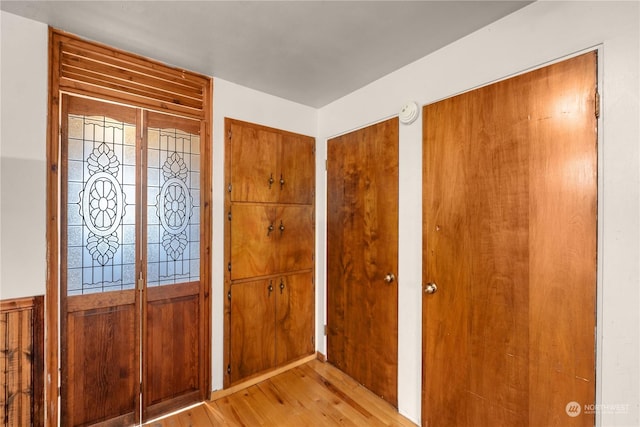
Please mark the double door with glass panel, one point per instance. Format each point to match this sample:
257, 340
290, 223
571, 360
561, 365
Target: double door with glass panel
132, 291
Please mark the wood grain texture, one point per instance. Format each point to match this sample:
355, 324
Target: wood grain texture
270, 165
269, 239
509, 228
295, 325
297, 170
101, 365
97, 70
172, 348
22, 361
255, 151
253, 335
312, 394
362, 248
294, 238
253, 245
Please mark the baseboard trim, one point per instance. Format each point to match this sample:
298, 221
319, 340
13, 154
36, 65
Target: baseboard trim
218, 394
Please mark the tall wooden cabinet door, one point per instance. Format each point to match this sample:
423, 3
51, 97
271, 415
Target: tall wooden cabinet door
296, 180
294, 238
252, 338
254, 232
255, 154
294, 317
509, 251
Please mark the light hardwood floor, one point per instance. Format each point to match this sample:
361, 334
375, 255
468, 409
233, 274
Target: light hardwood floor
313, 394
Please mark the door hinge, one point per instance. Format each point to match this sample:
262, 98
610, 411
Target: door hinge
597, 106
58, 391
229, 267
141, 283
229, 188
229, 135
229, 295
141, 387
229, 215
326, 164
229, 369
325, 330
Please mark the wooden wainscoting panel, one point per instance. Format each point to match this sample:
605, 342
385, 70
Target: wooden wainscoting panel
21, 361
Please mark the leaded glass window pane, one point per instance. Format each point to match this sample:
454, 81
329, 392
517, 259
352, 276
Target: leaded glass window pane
100, 205
173, 211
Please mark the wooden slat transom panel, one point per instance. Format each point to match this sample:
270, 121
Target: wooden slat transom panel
90, 68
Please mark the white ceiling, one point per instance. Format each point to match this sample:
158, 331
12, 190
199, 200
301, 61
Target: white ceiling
311, 52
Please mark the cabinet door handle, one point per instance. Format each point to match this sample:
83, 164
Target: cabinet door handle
281, 286
281, 227
269, 229
271, 181
270, 288
281, 182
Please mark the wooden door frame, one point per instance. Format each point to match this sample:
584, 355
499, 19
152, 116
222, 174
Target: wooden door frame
53, 231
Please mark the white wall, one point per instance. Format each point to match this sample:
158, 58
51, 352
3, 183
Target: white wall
23, 124
238, 102
532, 36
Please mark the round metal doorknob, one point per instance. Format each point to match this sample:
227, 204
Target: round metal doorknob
389, 278
431, 288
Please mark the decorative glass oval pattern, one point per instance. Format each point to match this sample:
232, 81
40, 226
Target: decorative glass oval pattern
99, 171
173, 233
174, 206
102, 204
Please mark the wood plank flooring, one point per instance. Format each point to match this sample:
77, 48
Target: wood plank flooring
313, 394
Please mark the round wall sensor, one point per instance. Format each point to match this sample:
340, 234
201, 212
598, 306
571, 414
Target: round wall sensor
409, 113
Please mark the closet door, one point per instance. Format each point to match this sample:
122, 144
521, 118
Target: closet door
173, 336
99, 268
509, 251
362, 256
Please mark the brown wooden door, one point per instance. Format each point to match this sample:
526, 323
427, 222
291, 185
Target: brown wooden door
294, 317
132, 288
362, 248
294, 238
255, 154
253, 334
509, 238
175, 336
99, 267
297, 169
253, 235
